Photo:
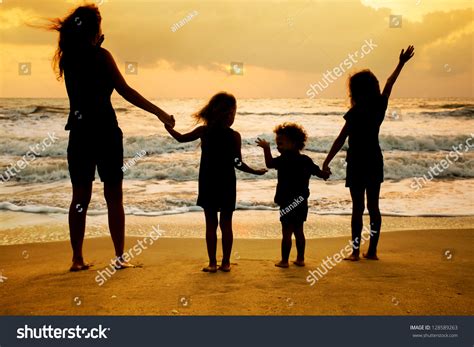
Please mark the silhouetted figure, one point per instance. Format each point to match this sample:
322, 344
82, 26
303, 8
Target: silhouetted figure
221, 154
95, 139
364, 156
294, 171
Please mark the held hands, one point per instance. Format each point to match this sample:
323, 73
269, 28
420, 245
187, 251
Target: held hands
261, 172
406, 55
169, 122
262, 143
325, 172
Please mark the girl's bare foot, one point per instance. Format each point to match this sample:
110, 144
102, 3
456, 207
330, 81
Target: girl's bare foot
370, 256
124, 265
210, 268
224, 267
299, 262
283, 264
79, 266
353, 257
121, 264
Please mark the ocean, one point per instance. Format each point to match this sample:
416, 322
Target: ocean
161, 174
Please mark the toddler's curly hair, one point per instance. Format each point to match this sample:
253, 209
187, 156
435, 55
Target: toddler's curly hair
294, 132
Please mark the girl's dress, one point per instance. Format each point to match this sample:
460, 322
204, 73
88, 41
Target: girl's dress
217, 181
364, 156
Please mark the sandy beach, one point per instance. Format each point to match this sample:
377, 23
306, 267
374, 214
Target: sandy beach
421, 272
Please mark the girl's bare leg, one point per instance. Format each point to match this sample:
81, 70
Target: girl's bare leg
227, 239
211, 239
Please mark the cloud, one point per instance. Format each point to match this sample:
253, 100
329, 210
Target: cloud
15, 18
299, 36
450, 52
302, 39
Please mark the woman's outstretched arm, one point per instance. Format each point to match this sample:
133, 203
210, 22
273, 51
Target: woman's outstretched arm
404, 57
336, 147
130, 94
188, 137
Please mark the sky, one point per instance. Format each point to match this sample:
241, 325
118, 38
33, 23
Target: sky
281, 47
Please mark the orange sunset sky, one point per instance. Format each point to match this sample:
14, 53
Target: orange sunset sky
284, 45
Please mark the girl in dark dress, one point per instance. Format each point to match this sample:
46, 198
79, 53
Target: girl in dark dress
221, 154
364, 156
95, 139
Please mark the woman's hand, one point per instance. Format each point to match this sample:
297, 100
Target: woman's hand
407, 55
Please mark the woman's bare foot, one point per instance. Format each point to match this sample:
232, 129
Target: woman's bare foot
283, 264
212, 268
79, 266
298, 262
370, 256
224, 267
353, 257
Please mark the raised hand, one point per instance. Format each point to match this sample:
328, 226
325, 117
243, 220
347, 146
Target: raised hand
407, 55
262, 143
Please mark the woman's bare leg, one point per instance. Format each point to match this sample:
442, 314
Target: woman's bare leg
81, 197
116, 215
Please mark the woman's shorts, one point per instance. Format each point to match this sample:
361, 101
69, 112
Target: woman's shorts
103, 151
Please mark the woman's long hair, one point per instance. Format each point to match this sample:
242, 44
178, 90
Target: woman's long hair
218, 110
364, 89
78, 32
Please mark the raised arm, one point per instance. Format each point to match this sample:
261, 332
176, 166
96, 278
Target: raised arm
404, 57
238, 162
130, 94
266, 152
188, 137
336, 147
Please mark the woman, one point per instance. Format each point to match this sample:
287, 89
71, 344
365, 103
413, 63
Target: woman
95, 139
